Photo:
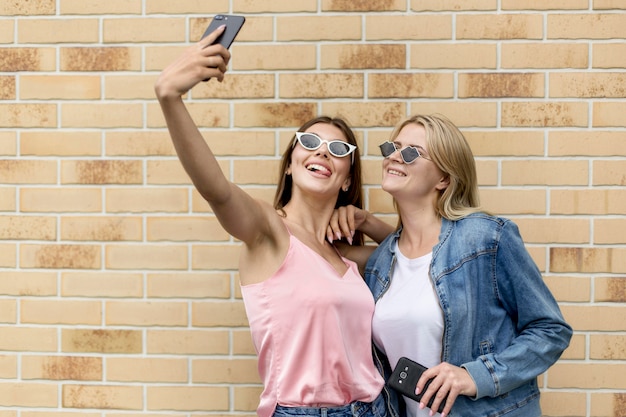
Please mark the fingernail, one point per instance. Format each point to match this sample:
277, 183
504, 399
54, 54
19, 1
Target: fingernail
432, 413
352, 233
349, 239
417, 390
338, 235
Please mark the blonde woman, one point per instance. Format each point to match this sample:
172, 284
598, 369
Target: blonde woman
455, 288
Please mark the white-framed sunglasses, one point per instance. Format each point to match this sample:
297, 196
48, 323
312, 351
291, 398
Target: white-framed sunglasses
409, 153
338, 148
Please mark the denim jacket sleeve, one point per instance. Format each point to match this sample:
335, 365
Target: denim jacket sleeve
542, 333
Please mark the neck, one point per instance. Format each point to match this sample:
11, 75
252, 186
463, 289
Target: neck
311, 218
420, 232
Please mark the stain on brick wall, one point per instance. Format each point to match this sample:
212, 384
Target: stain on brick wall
96, 59
7, 88
101, 341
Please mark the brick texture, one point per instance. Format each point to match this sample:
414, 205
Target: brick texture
119, 290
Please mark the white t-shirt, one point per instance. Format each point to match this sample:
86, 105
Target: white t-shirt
408, 320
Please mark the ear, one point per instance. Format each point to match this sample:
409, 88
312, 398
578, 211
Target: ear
346, 184
288, 170
443, 183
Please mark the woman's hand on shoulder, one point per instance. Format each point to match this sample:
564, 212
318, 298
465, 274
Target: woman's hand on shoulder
201, 61
344, 222
346, 219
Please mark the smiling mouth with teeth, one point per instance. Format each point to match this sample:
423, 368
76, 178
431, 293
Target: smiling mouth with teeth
318, 168
397, 173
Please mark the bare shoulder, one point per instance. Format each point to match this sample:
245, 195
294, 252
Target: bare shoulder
261, 258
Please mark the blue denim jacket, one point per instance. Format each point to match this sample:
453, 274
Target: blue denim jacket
501, 323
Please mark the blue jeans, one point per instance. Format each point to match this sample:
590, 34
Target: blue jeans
356, 409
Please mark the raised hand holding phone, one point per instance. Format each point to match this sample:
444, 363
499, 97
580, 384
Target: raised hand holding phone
201, 61
231, 24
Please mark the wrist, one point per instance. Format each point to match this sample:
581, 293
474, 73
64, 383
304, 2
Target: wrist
366, 223
164, 92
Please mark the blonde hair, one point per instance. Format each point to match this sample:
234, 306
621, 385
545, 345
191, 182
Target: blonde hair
449, 151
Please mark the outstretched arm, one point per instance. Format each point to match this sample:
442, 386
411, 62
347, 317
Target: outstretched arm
239, 214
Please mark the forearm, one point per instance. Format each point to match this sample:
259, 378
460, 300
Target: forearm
375, 228
529, 356
194, 154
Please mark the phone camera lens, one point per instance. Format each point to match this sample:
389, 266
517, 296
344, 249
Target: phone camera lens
219, 17
403, 375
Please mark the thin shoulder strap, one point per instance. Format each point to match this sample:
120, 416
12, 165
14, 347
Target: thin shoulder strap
286, 227
338, 251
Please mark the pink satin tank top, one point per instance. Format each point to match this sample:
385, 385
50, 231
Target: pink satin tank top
311, 328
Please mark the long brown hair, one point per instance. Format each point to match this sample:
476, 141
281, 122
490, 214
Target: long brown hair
353, 196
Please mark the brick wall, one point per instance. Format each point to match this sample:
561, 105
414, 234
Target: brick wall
118, 288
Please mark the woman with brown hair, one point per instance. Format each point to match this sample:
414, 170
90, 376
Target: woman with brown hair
309, 310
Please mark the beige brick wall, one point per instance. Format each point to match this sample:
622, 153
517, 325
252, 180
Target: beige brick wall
118, 287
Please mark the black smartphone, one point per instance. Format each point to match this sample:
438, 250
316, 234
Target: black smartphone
404, 380
233, 25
